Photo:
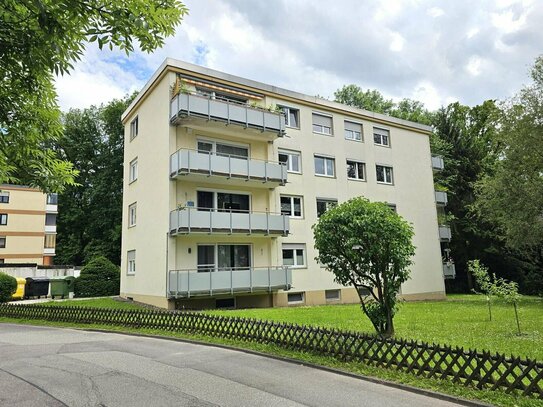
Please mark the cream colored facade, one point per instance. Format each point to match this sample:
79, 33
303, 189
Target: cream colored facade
152, 248
27, 225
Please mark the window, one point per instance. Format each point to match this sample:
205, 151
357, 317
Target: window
3, 218
392, 207
222, 149
294, 255
332, 295
2, 242
381, 137
292, 160
322, 124
291, 206
2, 261
292, 117
384, 174
50, 241
356, 170
295, 298
223, 257
4, 197
52, 199
324, 204
50, 219
324, 166
222, 201
226, 97
133, 174
131, 262
353, 131
134, 128
132, 215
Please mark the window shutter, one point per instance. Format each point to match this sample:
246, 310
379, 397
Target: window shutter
353, 126
322, 120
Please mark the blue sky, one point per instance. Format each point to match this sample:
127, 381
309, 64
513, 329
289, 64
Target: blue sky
434, 51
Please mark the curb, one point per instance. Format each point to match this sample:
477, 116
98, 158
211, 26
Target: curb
401, 386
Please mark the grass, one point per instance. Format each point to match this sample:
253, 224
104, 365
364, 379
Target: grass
462, 320
95, 303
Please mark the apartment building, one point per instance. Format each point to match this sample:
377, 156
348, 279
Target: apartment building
225, 176
27, 225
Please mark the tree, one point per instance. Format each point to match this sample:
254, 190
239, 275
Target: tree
90, 214
39, 38
511, 195
8, 286
98, 278
374, 101
367, 246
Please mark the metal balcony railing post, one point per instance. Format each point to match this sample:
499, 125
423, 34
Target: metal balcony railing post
267, 223
188, 283
231, 282
269, 280
246, 117
229, 166
210, 221
188, 219
263, 121
188, 104
251, 278
265, 172
210, 283
231, 227
177, 113
284, 225
248, 169
250, 224
208, 109
188, 160
227, 114
209, 164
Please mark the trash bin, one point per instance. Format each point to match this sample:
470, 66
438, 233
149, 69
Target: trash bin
20, 293
36, 287
62, 286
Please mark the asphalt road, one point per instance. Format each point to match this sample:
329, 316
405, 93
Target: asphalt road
41, 366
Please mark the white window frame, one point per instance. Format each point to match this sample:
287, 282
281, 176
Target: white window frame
296, 302
132, 214
286, 111
328, 201
290, 154
295, 247
133, 170
386, 181
214, 143
130, 263
3, 196
134, 128
292, 198
216, 192
356, 178
215, 266
381, 137
352, 133
320, 128
325, 166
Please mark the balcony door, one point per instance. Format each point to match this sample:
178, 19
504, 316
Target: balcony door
223, 201
224, 257
223, 149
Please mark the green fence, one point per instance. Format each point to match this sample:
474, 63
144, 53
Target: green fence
482, 370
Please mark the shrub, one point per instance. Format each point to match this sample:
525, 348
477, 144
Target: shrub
100, 277
8, 286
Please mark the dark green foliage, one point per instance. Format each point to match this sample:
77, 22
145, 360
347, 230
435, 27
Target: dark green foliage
89, 221
98, 278
8, 286
366, 245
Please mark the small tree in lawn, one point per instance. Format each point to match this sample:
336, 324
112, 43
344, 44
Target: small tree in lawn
367, 245
486, 286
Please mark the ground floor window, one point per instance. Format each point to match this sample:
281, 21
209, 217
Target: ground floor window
131, 258
294, 255
332, 295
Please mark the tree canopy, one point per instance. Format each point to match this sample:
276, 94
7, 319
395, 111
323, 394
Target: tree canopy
368, 246
40, 38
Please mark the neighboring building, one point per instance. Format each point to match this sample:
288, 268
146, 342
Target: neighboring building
224, 178
28, 220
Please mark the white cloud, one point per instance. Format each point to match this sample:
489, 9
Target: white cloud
474, 66
397, 42
435, 12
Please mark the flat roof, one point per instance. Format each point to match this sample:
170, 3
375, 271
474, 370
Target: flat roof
174, 64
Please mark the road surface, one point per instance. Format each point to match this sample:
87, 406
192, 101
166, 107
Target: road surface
43, 366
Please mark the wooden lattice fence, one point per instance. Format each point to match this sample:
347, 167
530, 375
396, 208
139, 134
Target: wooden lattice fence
465, 367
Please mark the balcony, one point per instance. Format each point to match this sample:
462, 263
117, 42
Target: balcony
445, 233
197, 110
49, 251
437, 163
50, 228
441, 198
191, 283
192, 220
204, 166
449, 271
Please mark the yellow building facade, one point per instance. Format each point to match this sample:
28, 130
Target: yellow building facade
224, 177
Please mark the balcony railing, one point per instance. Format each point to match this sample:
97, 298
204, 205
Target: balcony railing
186, 162
203, 220
190, 283
437, 163
441, 198
449, 271
190, 105
445, 233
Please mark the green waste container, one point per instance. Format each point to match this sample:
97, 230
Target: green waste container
62, 286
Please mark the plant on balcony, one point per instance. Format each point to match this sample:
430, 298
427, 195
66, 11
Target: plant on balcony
367, 246
8, 286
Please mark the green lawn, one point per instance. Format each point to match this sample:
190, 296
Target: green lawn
95, 303
461, 320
